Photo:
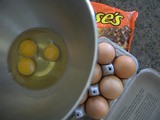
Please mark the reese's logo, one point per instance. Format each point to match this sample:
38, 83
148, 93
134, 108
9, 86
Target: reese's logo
109, 18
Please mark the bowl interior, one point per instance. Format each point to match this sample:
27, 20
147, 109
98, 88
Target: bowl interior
74, 22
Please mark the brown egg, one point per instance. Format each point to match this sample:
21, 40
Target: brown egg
97, 107
84, 98
124, 66
106, 53
97, 74
111, 87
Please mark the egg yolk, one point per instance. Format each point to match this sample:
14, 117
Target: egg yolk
51, 53
26, 66
28, 48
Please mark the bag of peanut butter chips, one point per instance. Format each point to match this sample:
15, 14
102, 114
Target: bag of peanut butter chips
115, 24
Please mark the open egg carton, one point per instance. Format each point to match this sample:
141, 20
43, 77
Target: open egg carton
120, 52
140, 98
94, 90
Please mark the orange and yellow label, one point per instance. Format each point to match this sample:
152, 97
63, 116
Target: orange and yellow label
108, 17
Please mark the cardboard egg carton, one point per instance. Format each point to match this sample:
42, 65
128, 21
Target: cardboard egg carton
119, 52
140, 98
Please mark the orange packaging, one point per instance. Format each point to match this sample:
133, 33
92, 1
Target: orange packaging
115, 24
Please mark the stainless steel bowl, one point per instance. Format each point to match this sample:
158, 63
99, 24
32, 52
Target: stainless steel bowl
74, 21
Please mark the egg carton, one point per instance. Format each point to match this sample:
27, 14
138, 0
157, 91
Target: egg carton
140, 98
119, 51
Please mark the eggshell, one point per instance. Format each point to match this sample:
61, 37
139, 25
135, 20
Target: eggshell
97, 74
97, 107
111, 87
124, 66
106, 53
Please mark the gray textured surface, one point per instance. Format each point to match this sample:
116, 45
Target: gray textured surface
146, 41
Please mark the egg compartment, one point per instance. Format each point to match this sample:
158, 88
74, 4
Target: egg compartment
119, 52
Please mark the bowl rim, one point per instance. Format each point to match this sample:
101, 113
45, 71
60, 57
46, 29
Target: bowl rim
94, 61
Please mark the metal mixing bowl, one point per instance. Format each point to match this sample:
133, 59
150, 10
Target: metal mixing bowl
74, 21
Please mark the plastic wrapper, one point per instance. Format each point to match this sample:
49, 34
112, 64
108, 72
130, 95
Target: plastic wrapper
115, 24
